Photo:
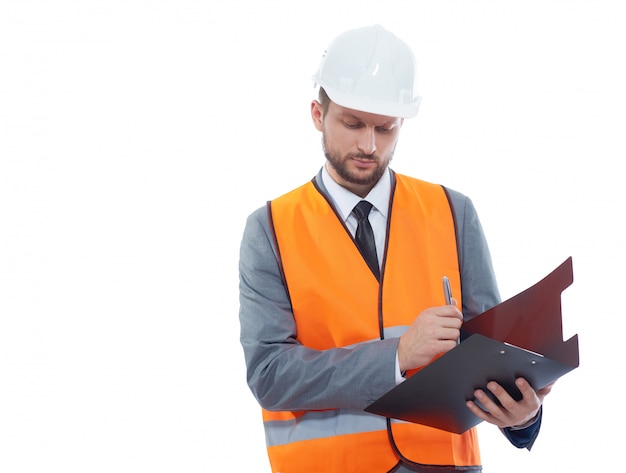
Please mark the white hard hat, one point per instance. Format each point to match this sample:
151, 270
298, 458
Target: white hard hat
371, 70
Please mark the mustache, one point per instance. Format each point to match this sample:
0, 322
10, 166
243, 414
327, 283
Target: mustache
363, 156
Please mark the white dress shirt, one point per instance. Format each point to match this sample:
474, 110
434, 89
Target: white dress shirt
345, 201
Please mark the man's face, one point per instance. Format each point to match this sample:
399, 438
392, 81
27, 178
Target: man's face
358, 145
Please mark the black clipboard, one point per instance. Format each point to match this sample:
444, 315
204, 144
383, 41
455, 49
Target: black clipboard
522, 336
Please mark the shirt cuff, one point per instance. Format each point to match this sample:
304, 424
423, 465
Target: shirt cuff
527, 424
399, 375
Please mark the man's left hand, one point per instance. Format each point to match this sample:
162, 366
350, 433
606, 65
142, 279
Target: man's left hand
510, 413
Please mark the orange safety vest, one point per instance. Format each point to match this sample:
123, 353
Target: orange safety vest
326, 278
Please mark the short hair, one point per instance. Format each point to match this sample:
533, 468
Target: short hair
324, 100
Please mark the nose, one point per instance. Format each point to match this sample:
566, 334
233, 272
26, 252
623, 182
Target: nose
367, 141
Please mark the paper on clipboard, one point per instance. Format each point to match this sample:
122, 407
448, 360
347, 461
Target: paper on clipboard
519, 337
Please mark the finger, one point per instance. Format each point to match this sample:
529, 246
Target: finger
488, 410
488, 403
450, 334
530, 398
482, 407
525, 388
502, 395
450, 312
478, 411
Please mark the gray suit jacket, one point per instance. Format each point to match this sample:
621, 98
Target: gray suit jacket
284, 375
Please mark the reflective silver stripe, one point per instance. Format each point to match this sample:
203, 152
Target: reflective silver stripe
395, 331
390, 332
321, 424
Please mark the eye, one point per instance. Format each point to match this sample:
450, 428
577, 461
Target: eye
384, 129
352, 125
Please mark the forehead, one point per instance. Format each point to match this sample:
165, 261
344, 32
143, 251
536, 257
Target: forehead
358, 115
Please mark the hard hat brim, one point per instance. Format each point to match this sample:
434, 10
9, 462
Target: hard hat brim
378, 107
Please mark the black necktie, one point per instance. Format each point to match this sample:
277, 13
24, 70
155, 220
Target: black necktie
365, 236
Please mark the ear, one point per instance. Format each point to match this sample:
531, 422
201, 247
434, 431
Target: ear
317, 114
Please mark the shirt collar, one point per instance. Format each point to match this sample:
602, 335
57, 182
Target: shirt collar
345, 200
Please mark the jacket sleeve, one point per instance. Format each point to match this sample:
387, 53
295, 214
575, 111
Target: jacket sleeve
281, 373
478, 280
479, 287
524, 438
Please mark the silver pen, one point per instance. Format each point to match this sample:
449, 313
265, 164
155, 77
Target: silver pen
447, 291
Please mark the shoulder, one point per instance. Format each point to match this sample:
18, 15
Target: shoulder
259, 221
257, 224
257, 254
460, 202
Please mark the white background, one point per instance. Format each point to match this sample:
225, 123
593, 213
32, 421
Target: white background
136, 136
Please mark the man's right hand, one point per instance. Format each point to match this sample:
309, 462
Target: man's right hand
433, 332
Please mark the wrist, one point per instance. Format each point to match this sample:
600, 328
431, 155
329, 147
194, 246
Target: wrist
526, 424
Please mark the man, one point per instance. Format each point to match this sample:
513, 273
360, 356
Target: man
325, 332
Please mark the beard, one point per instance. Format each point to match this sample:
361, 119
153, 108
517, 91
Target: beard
341, 165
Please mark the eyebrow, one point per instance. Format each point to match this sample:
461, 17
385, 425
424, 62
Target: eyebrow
391, 122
